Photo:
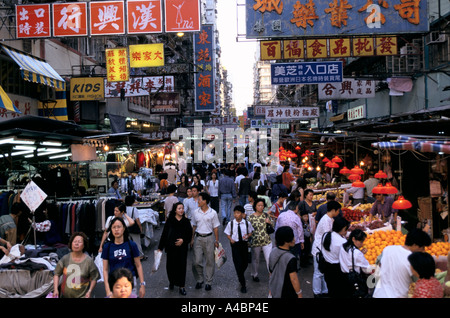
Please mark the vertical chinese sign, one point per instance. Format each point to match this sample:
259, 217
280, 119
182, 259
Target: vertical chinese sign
107, 17
147, 55
204, 60
117, 65
144, 16
33, 21
182, 15
70, 19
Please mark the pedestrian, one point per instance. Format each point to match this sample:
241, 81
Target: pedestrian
175, 239
122, 283
205, 226
291, 218
283, 281
325, 225
244, 188
181, 193
170, 200
239, 231
306, 251
322, 210
212, 188
331, 247
277, 206
227, 193
196, 181
136, 229
75, 274
351, 257
395, 269
261, 241
277, 188
293, 196
191, 203
120, 251
120, 210
369, 184
252, 196
262, 194
256, 182
308, 205
423, 267
287, 178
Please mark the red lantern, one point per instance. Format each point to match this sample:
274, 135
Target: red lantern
379, 189
326, 160
381, 175
333, 165
354, 177
357, 170
344, 170
358, 184
297, 148
336, 159
401, 204
390, 189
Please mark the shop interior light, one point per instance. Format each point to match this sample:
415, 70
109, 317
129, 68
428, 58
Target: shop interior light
61, 155
401, 203
51, 143
24, 147
6, 141
22, 142
49, 151
19, 153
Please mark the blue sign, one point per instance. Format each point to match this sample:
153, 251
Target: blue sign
295, 18
306, 73
204, 77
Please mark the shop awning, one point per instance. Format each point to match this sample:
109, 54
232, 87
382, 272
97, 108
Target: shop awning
35, 70
6, 102
408, 143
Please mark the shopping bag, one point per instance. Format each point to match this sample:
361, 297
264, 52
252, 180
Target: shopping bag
220, 256
99, 263
157, 261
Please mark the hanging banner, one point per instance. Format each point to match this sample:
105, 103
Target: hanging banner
182, 15
147, 55
117, 65
70, 19
140, 86
204, 61
107, 17
348, 89
298, 18
33, 21
144, 16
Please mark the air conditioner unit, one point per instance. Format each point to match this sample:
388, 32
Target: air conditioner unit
435, 37
47, 94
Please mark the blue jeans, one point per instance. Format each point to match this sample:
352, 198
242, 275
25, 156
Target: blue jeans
243, 199
226, 202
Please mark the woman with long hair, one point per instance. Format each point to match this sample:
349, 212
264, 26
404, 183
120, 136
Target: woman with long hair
175, 239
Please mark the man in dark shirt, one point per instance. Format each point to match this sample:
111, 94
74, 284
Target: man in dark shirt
322, 210
227, 194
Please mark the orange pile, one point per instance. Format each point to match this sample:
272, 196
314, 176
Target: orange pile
438, 249
378, 240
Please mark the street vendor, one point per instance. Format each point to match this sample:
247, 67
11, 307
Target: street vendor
383, 207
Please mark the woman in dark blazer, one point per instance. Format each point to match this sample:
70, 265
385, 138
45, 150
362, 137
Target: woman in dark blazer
175, 239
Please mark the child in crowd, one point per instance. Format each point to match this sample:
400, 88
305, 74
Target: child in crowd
121, 281
252, 196
423, 267
306, 251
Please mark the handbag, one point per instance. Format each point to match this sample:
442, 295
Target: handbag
134, 229
358, 282
269, 227
321, 262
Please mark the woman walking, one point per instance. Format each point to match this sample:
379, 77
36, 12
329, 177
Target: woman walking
175, 238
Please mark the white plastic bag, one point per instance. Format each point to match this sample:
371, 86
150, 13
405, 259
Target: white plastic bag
99, 263
157, 261
220, 256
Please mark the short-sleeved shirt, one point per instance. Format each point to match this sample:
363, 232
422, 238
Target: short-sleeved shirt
288, 290
205, 222
121, 255
79, 284
259, 236
428, 288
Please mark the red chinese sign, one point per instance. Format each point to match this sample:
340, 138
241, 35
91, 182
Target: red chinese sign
117, 65
270, 50
70, 19
182, 15
107, 18
144, 16
33, 21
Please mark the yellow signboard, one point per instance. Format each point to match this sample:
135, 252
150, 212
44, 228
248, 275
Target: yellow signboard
316, 48
270, 50
147, 55
293, 49
87, 88
117, 65
340, 47
386, 45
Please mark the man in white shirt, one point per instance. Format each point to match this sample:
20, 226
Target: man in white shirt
370, 183
395, 269
358, 195
205, 226
325, 225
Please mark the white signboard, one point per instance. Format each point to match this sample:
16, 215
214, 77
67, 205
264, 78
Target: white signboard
291, 113
348, 89
140, 86
33, 196
356, 113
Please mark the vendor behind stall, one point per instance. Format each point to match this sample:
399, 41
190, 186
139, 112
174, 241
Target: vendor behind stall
383, 207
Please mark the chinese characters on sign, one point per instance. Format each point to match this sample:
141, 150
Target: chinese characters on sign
204, 60
329, 48
147, 55
33, 21
107, 17
306, 73
182, 15
140, 86
165, 103
144, 16
291, 113
117, 65
294, 18
356, 113
70, 19
348, 89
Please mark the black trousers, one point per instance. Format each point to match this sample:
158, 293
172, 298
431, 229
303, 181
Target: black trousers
176, 265
335, 280
239, 252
